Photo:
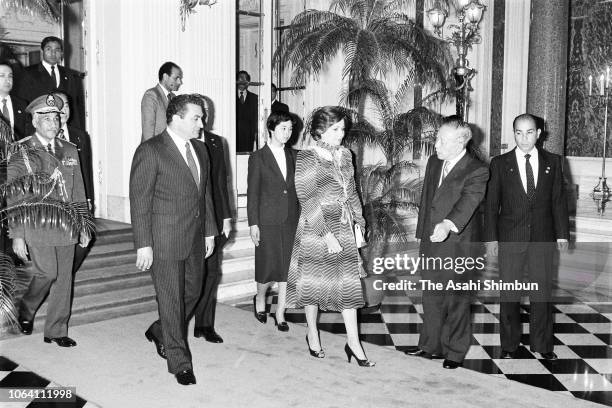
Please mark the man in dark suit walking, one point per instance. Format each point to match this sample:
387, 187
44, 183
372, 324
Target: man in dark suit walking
48, 76
454, 185
50, 246
205, 310
12, 108
525, 214
173, 221
247, 105
155, 100
82, 142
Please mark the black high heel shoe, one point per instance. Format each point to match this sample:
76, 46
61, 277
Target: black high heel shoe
262, 317
282, 326
362, 363
317, 354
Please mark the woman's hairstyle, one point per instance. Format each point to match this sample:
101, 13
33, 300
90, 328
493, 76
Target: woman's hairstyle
276, 118
325, 117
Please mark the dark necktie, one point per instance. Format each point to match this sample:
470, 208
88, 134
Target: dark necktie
53, 75
192, 165
241, 96
170, 96
530, 179
50, 149
5, 111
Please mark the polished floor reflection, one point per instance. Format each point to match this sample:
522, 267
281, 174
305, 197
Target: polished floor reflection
583, 341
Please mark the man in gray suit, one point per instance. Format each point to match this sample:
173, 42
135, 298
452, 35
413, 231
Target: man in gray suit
50, 246
155, 100
173, 221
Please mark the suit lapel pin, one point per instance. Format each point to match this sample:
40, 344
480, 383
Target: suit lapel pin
511, 169
547, 169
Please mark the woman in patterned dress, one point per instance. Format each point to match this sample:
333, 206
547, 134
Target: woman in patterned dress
325, 267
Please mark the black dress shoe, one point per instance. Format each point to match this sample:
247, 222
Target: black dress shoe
417, 352
507, 354
208, 333
262, 317
61, 341
282, 326
26, 326
450, 364
185, 377
549, 356
161, 349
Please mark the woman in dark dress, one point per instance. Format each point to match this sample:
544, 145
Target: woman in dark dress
273, 211
325, 266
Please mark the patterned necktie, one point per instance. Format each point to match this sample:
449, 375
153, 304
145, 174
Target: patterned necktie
170, 96
242, 97
530, 179
192, 165
5, 111
53, 75
444, 171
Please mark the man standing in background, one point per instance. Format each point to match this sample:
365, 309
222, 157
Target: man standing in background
205, 310
48, 76
526, 220
155, 100
246, 114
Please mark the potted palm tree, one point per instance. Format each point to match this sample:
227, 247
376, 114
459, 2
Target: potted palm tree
378, 41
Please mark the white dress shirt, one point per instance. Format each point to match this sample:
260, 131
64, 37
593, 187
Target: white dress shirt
66, 133
449, 164
57, 74
9, 106
535, 165
180, 144
279, 155
46, 143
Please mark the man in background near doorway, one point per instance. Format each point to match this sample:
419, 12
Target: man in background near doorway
155, 100
48, 76
12, 108
246, 114
83, 144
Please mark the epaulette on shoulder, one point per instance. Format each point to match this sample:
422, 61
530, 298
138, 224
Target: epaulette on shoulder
25, 139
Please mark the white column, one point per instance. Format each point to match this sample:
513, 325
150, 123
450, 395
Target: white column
127, 42
516, 62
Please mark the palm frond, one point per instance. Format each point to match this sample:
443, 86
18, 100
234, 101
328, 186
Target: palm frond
49, 10
8, 277
74, 218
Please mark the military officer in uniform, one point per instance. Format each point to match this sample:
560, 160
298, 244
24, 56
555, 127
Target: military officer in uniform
49, 245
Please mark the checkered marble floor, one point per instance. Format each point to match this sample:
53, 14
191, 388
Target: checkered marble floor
13, 375
583, 341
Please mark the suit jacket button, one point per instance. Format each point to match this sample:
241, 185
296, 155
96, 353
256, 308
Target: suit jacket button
197, 215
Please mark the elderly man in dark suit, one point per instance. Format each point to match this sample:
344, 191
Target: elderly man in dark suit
173, 220
454, 185
51, 247
12, 108
155, 100
48, 76
205, 310
82, 142
247, 105
526, 220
